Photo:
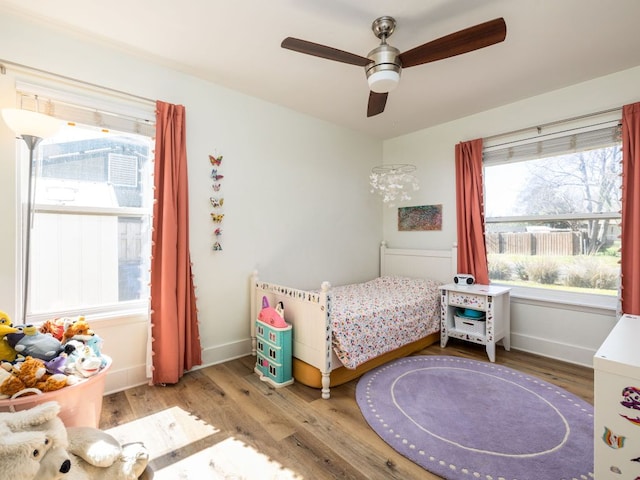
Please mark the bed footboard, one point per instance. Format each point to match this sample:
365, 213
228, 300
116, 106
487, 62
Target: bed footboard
308, 313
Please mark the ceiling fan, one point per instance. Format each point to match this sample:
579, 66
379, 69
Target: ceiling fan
384, 63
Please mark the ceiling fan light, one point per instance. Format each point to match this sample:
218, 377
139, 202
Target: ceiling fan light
383, 81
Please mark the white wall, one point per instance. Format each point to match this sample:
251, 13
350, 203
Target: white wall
565, 332
297, 202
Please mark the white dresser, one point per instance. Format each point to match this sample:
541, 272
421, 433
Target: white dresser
617, 402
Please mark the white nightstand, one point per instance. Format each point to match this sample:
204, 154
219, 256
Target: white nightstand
492, 300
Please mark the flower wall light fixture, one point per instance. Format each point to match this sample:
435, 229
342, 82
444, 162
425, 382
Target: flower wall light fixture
394, 182
32, 127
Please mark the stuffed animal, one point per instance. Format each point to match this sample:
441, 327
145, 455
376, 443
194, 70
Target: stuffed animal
55, 327
57, 365
111, 461
78, 330
82, 361
31, 342
7, 352
24, 429
272, 316
35, 445
9, 383
95, 344
21, 452
30, 376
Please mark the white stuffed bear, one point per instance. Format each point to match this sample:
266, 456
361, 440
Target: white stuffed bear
21, 453
41, 421
35, 445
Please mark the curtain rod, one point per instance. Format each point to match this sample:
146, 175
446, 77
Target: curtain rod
550, 124
3, 71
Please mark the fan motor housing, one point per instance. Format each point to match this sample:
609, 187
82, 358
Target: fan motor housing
384, 58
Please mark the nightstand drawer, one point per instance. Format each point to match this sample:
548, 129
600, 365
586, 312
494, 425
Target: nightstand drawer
471, 300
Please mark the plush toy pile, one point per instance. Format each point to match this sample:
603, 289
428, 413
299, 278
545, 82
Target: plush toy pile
61, 352
35, 445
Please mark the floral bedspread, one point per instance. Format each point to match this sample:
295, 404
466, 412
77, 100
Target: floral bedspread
372, 318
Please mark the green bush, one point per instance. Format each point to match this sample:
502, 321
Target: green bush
590, 273
499, 269
521, 269
543, 271
612, 252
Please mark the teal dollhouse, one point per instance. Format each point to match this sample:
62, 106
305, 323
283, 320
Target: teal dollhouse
273, 349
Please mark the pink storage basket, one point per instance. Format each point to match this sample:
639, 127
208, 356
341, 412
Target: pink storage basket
80, 404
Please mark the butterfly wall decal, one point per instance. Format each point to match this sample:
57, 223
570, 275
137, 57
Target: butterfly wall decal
216, 202
217, 217
215, 175
215, 161
216, 187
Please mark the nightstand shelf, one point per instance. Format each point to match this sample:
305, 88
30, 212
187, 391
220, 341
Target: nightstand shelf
492, 300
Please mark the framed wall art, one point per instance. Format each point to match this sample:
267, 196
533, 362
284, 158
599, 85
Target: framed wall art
424, 217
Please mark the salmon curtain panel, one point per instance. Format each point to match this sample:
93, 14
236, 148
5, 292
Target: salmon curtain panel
630, 241
175, 338
472, 252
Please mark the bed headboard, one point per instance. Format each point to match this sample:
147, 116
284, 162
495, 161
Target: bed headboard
437, 265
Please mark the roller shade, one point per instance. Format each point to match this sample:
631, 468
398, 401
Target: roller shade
121, 115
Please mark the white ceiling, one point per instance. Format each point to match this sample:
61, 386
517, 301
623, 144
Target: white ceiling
236, 43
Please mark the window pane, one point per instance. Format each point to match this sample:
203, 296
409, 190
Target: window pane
543, 255
86, 167
86, 249
563, 221
585, 182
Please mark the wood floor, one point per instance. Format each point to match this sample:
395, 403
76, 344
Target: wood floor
222, 422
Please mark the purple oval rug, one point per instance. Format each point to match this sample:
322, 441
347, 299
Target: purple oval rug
464, 419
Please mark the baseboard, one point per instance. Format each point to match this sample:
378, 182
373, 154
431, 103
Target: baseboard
135, 375
122, 379
560, 351
226, 352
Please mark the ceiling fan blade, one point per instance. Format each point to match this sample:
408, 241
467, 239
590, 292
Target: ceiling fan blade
467, 40
323, 51
377, 102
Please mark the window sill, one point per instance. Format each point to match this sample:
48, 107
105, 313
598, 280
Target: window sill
124, 312
582, 302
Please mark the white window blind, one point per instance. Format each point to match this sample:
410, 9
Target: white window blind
127, 116
553, 145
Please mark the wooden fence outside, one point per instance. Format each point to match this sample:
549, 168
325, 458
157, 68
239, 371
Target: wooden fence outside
535, 243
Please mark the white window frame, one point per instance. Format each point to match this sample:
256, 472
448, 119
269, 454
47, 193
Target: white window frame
578, 301
97, 109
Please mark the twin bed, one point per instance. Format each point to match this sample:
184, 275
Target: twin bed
341, 332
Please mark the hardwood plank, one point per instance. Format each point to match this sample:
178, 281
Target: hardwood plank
238, 391
221, 421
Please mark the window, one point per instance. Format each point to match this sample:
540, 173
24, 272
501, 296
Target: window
552, 210
91, 222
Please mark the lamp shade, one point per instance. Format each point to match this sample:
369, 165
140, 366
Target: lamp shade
383, 81
26, 122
